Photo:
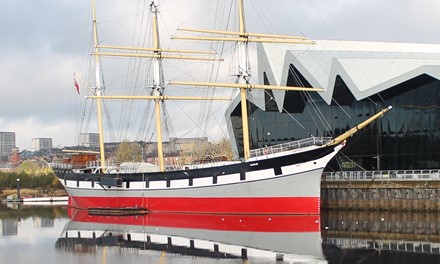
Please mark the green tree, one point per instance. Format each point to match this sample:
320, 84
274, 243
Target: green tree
8, 180
29, 167
128, 152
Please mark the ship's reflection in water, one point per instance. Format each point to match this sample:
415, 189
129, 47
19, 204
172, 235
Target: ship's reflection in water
381, 237
263, 237
335, 237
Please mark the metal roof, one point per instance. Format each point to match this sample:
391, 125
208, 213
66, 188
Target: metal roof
366, 67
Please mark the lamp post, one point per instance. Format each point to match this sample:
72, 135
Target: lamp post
18, 189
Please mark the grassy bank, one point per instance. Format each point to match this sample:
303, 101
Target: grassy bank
39, 192
35, 184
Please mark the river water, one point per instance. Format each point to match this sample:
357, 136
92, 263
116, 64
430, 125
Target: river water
55, 234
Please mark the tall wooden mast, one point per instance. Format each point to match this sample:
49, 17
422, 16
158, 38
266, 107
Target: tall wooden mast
243, 78
158, 85
98, 87
242, 37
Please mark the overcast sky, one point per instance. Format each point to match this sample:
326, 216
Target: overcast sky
44, 42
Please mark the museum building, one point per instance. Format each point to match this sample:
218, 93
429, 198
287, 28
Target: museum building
359, 79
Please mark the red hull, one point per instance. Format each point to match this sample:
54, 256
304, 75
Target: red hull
254, 223
236, 205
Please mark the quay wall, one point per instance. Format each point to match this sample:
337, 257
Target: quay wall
413, 191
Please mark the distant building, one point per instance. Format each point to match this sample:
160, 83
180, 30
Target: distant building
150, 148
9, 227
7, 144
172, 162
90, 140
41, 144
40, 222
189, 145
15, 158
6, 167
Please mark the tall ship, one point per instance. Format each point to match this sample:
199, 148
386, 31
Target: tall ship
278, 179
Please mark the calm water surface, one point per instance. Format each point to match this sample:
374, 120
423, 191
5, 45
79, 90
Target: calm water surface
54, 234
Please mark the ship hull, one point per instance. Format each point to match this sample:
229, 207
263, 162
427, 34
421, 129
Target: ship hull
286, 183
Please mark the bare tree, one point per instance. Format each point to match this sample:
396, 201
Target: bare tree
128, 152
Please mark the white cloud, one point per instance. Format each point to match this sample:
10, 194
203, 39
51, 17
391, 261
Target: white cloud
62, 132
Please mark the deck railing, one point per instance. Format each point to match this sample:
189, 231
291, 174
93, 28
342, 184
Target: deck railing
311, 141
396, 175
90, 164
60, 165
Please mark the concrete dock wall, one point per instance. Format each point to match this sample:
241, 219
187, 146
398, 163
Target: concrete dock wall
378, 190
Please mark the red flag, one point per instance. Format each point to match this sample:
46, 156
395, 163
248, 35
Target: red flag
76, 85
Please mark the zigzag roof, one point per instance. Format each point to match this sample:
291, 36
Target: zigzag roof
365, 67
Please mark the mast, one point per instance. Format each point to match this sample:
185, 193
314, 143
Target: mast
98, 88
243, 78
242, 37
158, 86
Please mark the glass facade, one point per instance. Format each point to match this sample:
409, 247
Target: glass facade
407, 137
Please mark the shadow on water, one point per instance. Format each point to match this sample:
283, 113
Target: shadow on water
380, 237
20, 211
